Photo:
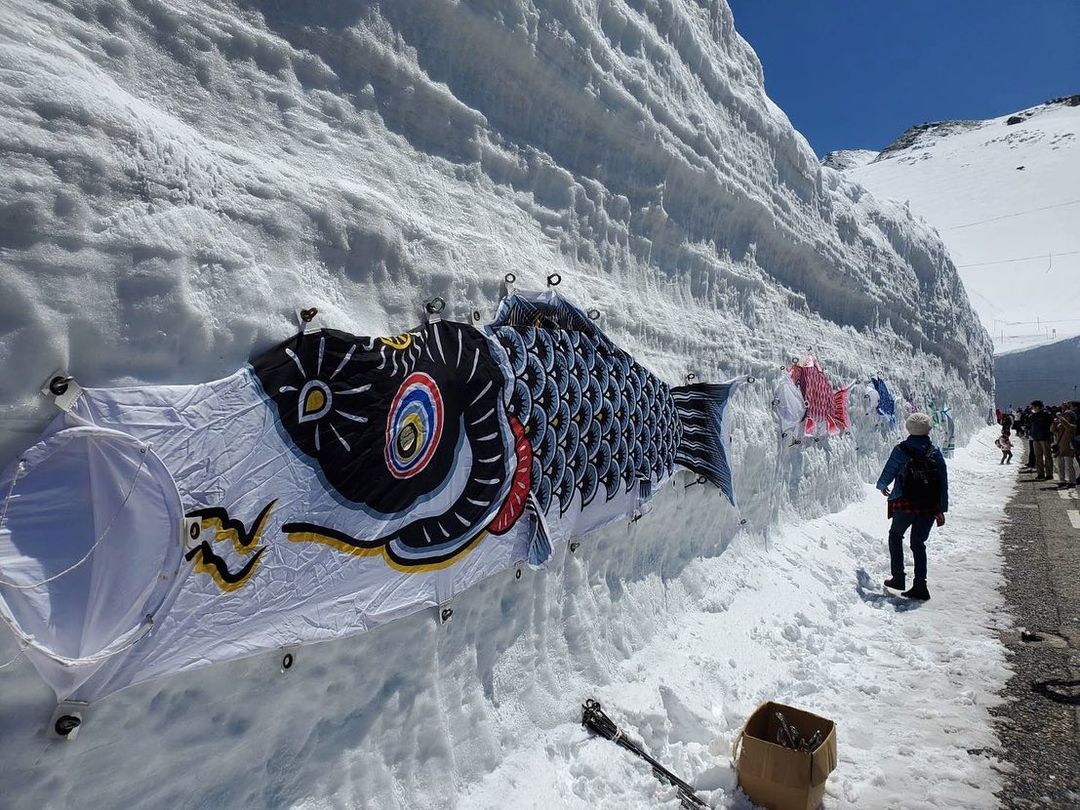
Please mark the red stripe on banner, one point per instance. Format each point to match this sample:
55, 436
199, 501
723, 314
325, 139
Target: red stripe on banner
519, 490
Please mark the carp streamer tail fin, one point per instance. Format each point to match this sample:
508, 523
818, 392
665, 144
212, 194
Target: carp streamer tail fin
703, 445
539, 539
841, 415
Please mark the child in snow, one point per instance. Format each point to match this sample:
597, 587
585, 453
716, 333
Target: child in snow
1005, 446
919, 498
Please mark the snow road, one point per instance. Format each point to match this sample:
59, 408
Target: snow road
910, 685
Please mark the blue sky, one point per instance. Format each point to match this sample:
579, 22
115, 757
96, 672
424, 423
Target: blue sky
856, 73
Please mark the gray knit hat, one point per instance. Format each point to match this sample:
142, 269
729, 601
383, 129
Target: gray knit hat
919, 424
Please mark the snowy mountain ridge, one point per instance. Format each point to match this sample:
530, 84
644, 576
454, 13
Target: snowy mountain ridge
180, 177
843, 159
924, 136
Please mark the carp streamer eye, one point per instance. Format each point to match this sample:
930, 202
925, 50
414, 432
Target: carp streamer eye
414, 426
314, 401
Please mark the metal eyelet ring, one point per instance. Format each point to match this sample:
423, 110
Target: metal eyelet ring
691, 377
751, 379
308, 315
287, 661
435, 305
58, 385
446, 614
66, 724
743, 522
194, 531
554, 279
594, 314
476, 315
574, 547
517, 574
509, 278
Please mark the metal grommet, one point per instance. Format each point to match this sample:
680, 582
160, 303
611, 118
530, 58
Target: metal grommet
308, 315
574, 546
517, 574
58, 385
435, 305
743, 522
509, 278
795, 361
751, 379
594, 314
194, 531
554, 279
691, 377
476, 315
66, 724
287, 661
446, 613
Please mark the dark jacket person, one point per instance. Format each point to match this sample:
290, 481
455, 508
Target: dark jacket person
919, 496
1039, 432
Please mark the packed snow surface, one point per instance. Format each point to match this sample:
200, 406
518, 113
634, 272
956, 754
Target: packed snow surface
180, 177
1004, 194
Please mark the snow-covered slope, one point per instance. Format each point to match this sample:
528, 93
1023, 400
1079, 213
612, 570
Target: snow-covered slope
1004, 194
178, 177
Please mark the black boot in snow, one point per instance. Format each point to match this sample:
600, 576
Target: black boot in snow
918, 591
896, 583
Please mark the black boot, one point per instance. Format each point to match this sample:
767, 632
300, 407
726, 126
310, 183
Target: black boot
918, 591
896, 583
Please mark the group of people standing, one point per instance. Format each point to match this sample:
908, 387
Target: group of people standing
1053, 440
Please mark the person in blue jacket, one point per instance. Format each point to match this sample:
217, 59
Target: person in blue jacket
920, 464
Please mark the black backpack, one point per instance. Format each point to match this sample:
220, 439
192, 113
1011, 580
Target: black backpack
920, 480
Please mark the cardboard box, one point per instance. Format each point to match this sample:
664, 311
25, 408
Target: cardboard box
778, 777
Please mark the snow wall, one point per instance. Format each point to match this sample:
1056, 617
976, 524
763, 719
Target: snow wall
1048, 372
179, 177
